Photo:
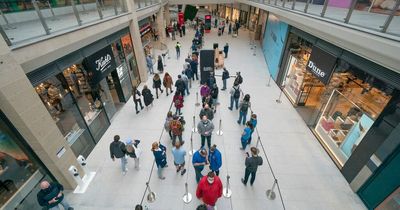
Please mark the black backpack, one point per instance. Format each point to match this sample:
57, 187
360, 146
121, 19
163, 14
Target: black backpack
236, 94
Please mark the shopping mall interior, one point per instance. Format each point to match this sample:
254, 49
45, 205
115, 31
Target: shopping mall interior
322, 76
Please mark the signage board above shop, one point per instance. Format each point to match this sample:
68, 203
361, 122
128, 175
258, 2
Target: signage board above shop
100, 64
144, 29
321, 64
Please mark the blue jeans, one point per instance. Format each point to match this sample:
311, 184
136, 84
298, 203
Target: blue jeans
236, 100
160, 172
63, 203
124, 161
151, 70
242, 117
224, 84
187, 88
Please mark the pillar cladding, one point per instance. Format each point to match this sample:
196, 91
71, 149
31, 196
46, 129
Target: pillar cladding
22, 106
167, 16
161, 24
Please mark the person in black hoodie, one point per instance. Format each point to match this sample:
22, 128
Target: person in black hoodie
147, 96
252, 164
118, 150
225, 76
180, 85
51, 195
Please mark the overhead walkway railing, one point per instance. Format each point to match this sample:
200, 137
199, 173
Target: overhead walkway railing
31, 20
143, 4
375, 15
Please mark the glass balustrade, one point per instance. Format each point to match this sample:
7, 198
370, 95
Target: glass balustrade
31, 20
378, 15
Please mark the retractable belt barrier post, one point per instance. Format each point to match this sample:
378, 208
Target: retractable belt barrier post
219, 131
194, 129
269, 80
270, 193
191, 151
187, 197
280, 95
197, 99
227, 191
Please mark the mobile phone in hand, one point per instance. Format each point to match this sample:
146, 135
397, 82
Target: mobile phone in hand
247, 153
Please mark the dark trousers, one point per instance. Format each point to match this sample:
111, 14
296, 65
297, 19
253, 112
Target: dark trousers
203, 139
197, 170
174, 139
136, 104
158, 88
195, 74
216, 172
247, 173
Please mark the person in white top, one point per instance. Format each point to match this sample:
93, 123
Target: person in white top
133, 151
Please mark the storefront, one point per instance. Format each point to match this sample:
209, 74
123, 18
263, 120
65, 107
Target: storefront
84, 95
147, 35
339, 95
20, 170
253, 18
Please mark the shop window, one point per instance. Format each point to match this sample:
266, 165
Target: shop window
19, 171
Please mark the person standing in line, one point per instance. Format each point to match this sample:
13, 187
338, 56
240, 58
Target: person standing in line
230, 28
199, 160
118, 150
157, 83
133, 151
205, 128
185, 80
235, 95
204, 92
147, 96
180, 30
176, 129
214, 97
252, 164
244, 139
193, 66
226, 49
206, 111
253, 122
209, 189
167, 123
179, 158
167, 82
243, 109
136, 98
215, 159
178, 102
149, 62
188, 71
178, 50
238, 79
184, 29
225, 76
180, 85
51, 195
160, 65
160, 156
211, 80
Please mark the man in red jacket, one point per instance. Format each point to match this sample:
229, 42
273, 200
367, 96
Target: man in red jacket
209, 189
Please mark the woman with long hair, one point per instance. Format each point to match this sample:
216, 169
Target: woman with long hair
160, 155
147, 96
157, 84
167, 82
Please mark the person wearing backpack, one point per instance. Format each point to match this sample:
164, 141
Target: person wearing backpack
133, 151
225, 76
243, 109
118, 150
178, 101
239, 78
136, 98
176, 129
160, 156
235, 95
252, 164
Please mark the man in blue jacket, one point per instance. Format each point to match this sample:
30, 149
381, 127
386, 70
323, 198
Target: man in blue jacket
215, 159
51, 195
199, 161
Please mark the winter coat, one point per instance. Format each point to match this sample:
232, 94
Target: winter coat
178, 101
193, 66
147, 97
167, 82
161, 156
252, 163
214, 92
215, 160
225, 74
117, 149
207, 112
46, 195
205, 129
180, 85
209, 193
204, 91
157, 83
160, 66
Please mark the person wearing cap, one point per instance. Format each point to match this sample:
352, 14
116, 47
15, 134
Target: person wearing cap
133, 151
199, 160
215, 159
252, 164
209, 189
205, 128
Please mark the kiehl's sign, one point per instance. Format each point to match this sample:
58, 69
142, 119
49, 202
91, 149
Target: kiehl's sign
321, 64
100, 64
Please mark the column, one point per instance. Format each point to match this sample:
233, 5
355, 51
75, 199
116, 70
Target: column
161, 24
137, 42
167, 16
23, 107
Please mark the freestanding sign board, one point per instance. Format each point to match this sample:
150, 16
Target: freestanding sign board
321, 64
206, 64
207, 23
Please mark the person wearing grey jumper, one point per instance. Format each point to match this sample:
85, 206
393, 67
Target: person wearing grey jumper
252, 164
205, 127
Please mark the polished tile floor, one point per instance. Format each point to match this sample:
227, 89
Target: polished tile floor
308, 179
